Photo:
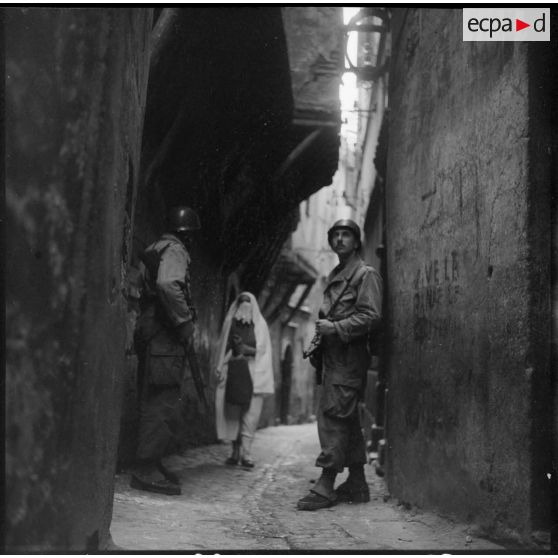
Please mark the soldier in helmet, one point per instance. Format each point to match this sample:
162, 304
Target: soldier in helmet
164, 332
351, 310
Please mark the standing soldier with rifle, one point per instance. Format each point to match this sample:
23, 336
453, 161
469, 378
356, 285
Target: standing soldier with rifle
350, 312
164, 343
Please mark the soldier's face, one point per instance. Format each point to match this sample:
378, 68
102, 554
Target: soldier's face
343, 242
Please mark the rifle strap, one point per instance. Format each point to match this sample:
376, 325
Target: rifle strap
160, 255
342, 292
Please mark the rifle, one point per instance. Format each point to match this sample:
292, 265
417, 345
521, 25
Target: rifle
192, 359
315, 350
315, 347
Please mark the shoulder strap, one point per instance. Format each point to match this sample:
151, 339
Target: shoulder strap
164, 249
152, 261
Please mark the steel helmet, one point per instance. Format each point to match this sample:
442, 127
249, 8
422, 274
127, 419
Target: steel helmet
345, 224
182, 218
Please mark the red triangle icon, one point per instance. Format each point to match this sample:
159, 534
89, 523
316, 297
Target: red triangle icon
519, 25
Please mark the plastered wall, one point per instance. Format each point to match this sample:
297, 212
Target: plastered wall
467, 223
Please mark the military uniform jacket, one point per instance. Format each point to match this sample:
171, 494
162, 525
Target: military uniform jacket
345, 354
167, 305
172, 284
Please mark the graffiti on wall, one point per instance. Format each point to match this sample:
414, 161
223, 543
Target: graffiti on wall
436, 283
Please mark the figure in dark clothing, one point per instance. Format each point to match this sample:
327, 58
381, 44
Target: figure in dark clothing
164, 333
354, 292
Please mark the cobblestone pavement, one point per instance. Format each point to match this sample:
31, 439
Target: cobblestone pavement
229, 508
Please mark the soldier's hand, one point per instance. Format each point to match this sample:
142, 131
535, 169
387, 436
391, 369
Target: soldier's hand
186, 333
325, 327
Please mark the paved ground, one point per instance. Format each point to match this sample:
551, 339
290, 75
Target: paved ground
229, 508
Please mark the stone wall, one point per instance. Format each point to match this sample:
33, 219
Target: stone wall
468, 230
75, 94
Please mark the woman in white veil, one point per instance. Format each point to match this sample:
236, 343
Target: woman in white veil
245, 332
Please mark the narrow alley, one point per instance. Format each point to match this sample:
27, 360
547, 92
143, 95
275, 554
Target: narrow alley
231, 508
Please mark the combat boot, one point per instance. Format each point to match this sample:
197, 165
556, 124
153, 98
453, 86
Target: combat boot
147, 476
169, 475
354, 489
322, 495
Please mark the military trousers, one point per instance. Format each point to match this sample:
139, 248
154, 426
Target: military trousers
160, 410
339, 428
159, 421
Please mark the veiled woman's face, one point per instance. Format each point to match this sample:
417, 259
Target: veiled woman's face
243, 311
